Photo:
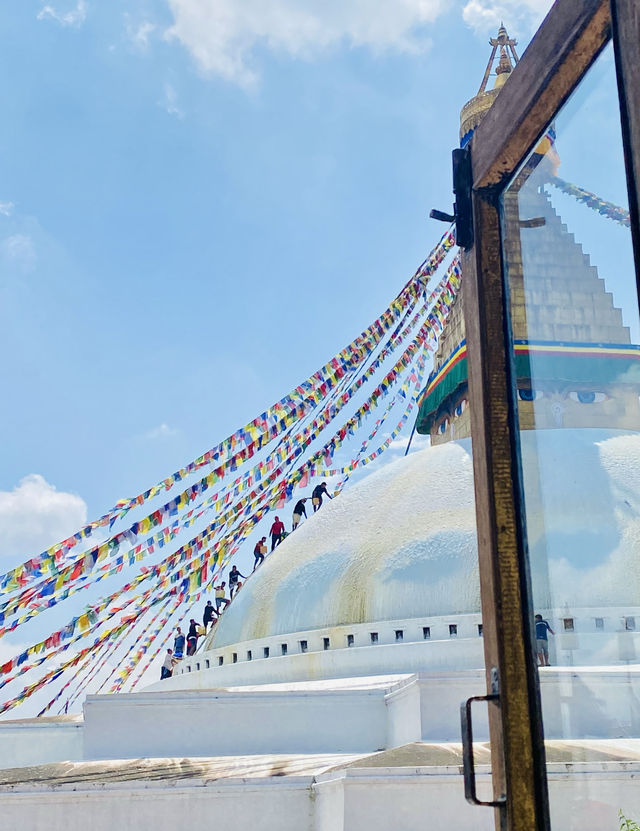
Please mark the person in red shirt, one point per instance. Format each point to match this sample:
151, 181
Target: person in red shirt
259, 551
277, 532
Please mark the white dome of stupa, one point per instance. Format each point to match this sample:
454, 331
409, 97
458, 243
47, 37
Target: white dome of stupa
401, 543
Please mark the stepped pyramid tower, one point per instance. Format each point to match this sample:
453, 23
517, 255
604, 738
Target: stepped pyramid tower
566, 328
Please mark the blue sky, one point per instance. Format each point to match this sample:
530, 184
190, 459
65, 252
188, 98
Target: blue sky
202, 201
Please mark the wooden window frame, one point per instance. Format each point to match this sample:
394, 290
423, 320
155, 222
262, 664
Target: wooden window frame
569, 40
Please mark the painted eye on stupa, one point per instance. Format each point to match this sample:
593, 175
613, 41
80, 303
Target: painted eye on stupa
460, 407
528, 394
442, 427
588, 396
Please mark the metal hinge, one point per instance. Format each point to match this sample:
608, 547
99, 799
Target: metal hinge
463, 207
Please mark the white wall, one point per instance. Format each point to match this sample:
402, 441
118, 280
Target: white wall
40, 740
584, 797
272, 804
403, 799
220, 723
591, 702
357, 715
585, 645
413, 653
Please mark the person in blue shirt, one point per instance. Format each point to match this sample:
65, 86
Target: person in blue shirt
178, 644
542, 640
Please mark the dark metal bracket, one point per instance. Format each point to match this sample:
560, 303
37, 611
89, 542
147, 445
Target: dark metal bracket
463, 208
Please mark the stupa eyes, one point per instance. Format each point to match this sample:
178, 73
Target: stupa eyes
587, 396
528, 394
442, 427
460, 407
579, 396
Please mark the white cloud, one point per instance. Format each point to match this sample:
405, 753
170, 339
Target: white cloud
19, 250
73, 17
9, 650
519, 16
162, 431
6, 208
34, 515
139, 33
418, 442
170, 101
223, 34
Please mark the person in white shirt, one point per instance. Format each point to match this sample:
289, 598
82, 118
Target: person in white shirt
166, 670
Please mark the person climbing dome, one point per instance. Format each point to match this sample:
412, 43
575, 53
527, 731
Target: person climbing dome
259, 551
208, 614
298, 512
192, 637
166, 670
220, 598
318, 492
234, 576
178, 644
277, 532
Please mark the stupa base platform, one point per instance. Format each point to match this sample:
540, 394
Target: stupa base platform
408, 788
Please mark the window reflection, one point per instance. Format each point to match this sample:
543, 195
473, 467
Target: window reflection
576, 336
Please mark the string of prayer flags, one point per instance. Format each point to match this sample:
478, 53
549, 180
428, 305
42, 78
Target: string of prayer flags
273, 420
604, 208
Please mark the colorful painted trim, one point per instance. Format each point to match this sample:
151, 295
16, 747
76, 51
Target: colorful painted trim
610, 362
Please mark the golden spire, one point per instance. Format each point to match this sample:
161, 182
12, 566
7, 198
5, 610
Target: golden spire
505, 66
474, 110
503, 69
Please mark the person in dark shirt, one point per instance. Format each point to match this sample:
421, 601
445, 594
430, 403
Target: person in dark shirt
192, 637
542, 640
316, 497
178, 644
259, 551
298, 512
234, 576
277, 532
208, 614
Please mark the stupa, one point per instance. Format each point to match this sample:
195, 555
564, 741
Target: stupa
565, 323
326, 698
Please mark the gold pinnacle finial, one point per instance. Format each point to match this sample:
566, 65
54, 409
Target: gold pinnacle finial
506, 45
474, 110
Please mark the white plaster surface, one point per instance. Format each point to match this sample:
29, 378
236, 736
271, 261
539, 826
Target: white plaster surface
344, 715
36, 741
278, 804
303, 794
219, 722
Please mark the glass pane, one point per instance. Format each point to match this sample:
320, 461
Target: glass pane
576, 330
